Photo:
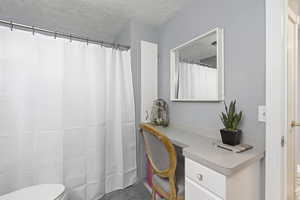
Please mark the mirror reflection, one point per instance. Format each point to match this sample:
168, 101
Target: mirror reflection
197, 70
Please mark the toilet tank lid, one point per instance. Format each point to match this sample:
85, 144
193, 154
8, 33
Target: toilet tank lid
36, 192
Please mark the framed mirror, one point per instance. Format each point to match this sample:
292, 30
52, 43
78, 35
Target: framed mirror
197, 68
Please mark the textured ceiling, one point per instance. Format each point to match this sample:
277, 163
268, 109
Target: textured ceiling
98, 19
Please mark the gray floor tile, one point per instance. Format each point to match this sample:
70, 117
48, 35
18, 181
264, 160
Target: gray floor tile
135, 192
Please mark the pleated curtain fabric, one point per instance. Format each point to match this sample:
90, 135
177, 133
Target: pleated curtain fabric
66, 115
197, 82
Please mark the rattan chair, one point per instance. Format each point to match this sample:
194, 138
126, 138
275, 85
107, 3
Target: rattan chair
167, 179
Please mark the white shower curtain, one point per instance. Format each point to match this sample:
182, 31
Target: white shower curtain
197, 81
66, 115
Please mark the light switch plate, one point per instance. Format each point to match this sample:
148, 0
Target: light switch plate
262, 113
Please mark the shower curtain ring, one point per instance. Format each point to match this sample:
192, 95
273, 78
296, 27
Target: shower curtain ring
11, 25
33, 30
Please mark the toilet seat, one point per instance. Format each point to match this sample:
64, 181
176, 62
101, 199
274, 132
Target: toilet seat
37, 192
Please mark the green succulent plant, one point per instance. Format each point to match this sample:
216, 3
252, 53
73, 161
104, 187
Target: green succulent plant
231, 119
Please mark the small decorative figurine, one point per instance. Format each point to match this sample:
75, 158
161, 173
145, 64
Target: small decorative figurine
160, 113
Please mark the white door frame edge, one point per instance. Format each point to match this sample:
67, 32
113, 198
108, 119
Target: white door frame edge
276, 98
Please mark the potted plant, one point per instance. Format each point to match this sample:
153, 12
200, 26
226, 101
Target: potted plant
231, 119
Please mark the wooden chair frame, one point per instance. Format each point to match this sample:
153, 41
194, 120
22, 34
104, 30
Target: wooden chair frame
167, 173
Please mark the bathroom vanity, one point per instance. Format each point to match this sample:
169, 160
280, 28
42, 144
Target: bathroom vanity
212, 173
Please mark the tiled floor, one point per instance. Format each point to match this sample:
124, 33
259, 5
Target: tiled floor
135, 192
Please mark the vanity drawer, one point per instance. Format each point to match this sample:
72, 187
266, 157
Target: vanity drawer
206, 177
193, 191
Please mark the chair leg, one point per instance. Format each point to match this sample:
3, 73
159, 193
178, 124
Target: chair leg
153, 194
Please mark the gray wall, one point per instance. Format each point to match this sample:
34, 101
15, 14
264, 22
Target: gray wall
124, 36
244, 36
244, 30
243, 22
132, 35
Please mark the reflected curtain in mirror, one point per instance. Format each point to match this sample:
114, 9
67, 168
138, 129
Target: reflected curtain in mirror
197, 81
197, 69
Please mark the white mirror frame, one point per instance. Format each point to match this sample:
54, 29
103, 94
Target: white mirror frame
220, 66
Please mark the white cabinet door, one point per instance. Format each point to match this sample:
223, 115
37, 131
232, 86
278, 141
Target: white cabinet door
193, 191
149, 63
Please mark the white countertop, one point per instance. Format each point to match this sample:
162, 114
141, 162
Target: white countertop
204, 151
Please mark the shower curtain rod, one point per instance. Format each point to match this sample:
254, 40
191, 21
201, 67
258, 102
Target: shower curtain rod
56, 34
195, 62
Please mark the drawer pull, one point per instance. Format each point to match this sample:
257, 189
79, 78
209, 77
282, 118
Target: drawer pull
200, 177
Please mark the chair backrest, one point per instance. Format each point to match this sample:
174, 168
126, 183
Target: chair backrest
160, 151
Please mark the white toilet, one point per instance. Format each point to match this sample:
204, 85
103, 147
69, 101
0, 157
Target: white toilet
37, 192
